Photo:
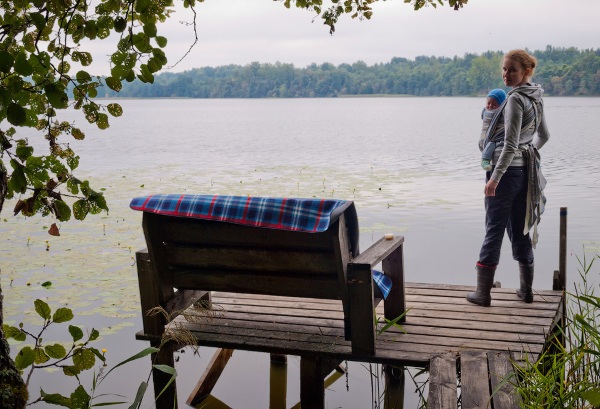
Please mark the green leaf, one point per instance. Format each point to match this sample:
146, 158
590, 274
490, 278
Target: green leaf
75, 332
83, 76
84, 359
139, 396
115, 109
141, 5
42, 309
150, 30
94, 334
57, 96
73, 186
592, 396
62, 314
80, 209
22, 66
15, 114
40, 356
80, 398
23, 152
113, 83
161, 41
14, 332
56, 351
55, 399
102, 121
24, 358
18, 181
141, 354
63, 212
6, 61
71, 370
47, 284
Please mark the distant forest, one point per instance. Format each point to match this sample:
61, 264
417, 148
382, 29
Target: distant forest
561, 71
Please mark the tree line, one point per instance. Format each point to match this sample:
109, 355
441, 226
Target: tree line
561, 71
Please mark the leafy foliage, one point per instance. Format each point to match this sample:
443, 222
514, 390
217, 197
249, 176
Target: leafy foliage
562, 72
74, 360
568, 374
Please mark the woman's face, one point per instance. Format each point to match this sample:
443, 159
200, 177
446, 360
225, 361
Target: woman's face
513, 73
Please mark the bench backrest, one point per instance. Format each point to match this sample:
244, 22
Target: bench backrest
211, 255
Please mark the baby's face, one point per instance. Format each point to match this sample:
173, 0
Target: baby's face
491, 103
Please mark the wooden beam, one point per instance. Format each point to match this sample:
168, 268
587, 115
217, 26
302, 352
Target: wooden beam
210, 377
442, 382
502, 380
475, 384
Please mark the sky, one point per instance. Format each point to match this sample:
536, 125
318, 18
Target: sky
244, 31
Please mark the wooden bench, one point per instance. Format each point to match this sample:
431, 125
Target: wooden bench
187, 258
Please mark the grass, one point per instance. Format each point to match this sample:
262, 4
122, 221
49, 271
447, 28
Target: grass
567, 375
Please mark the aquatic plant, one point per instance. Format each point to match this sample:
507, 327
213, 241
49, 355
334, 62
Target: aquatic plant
568, 372
78, 356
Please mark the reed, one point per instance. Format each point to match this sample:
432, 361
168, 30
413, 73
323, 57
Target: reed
568, 374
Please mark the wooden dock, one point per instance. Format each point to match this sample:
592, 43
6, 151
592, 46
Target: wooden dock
441, 327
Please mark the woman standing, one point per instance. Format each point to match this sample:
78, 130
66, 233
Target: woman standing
513, 199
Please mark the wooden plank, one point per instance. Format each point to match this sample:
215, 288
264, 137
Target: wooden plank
442, 382
475, 384
378, 251
249, 260
196, 231
316, 286
502, 381
393, 267
211, 375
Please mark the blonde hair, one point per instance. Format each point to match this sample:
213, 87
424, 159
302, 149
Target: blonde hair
526, 60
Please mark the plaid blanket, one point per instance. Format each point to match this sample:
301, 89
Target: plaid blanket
307, 215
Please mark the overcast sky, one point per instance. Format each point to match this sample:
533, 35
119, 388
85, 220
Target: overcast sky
244, 31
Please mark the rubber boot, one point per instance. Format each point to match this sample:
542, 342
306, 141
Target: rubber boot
526, 279
485, 282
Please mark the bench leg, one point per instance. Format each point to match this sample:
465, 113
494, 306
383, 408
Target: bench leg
395, 303
362, 310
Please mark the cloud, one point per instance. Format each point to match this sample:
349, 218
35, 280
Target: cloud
243, 31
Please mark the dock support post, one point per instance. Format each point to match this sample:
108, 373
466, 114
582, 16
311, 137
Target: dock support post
278, 382
168, 397
312, 392
394, 387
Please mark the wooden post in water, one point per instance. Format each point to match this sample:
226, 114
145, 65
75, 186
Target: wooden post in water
562, 262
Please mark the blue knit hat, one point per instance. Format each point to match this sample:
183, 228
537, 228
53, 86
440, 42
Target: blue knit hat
498, 94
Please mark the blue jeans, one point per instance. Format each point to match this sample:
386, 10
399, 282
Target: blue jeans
506, 211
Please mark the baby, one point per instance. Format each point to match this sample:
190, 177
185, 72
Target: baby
494, 99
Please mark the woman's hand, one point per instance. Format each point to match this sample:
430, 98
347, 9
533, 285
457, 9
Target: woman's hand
490, 188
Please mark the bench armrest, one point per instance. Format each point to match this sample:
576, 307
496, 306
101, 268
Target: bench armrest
378, 251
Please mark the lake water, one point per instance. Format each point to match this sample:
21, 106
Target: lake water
410, 164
